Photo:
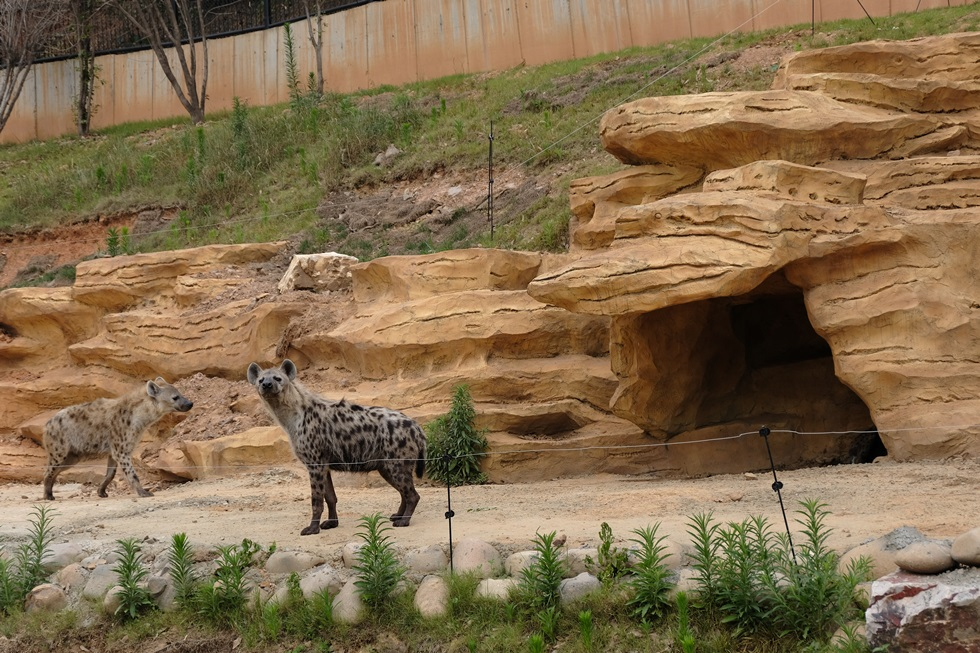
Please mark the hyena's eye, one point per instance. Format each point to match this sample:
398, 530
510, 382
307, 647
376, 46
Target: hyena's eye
174, 398
277, 379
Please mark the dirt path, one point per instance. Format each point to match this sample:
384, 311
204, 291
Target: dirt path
942, 499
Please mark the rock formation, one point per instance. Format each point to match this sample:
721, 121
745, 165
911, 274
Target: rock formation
802, 258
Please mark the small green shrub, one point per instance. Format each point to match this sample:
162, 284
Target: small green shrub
539, 585
26, 571
455, 446
223, 602
650, 582
378, 571
586, 629
134, 599
611, 562
181, 568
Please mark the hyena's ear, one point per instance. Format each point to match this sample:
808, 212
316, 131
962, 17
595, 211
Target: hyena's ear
152, 389
160, 381
253, 373
289, 369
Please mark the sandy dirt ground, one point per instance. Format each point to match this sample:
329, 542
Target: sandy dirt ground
941, 499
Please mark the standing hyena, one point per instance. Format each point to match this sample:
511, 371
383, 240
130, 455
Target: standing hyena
107, 425
342, 436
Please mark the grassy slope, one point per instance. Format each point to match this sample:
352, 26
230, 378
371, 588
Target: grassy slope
237, 179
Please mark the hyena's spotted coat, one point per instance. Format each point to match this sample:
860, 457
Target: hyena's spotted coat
110, 426
346, 437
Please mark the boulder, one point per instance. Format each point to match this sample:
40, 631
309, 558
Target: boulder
966, 548
926, 614
328, 272
262, 446
926, 557
46, 598
478, 557
573, 589
288, 562
432, 597
496, 588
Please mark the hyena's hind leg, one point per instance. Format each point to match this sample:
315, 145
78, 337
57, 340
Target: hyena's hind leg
400, 478
110, 473
57, 463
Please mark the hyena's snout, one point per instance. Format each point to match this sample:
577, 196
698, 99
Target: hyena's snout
268, 387
184, 405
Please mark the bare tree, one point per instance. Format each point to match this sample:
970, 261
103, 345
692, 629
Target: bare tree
82, 14
26, 26
316, 39
176, 25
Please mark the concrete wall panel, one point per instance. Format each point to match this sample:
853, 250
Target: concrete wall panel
599, 26
399, 41
492, 36
390, 43
713, 18
653, 23
545, 31
440, 35
55, 88
345, 53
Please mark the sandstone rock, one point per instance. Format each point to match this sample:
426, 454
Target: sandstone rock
219, 343
347, 605
432, 597
255, 448
41, 323
328, 272
408, 278
573, 589
966, 548
882, 551
596, 200
926, 614
517, 562
99, 581
726, 130
462, 329
496, 588
192, 290
117, 282
56, 389
287, 562
427, 560
46, 598
790, 181
925, 557
60, 555
576, 560
472, 555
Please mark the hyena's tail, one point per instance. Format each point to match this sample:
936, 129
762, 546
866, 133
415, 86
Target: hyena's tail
420, 463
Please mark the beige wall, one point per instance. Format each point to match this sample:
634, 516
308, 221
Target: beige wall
400, 41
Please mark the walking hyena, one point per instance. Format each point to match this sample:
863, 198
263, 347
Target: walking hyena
338, 435
107, 425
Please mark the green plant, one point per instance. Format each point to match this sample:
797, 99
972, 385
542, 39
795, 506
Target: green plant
540, 582
26, 571
586, 629
455, 446
548, 619
378, 571
240, 133
535, 644
181, 567
650, 582
705, 556
134, 599
611, 562
684, 638
224, 601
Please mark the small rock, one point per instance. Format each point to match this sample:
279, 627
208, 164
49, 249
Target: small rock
47, 598
926, 557
347, 605
478, 557
432, 596
288, 562
572, 589
966, 548
495, 588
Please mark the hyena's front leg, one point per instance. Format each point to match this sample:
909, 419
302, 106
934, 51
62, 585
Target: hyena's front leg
57, 463
317, 485
126, 465
332, 521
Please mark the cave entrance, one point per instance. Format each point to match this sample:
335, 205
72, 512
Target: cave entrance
735, 364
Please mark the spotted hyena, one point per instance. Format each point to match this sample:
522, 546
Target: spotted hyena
110, 426
346, 437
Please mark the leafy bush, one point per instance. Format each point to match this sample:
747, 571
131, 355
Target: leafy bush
752, 578
455, 446
134, 599
611, 562
26, 571
378, 571
540, 582
224, 601
650, 581
180, 566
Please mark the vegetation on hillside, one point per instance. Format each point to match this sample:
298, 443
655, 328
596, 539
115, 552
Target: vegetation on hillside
288, 171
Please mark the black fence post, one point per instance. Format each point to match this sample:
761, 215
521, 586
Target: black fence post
449, 511
777, 487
